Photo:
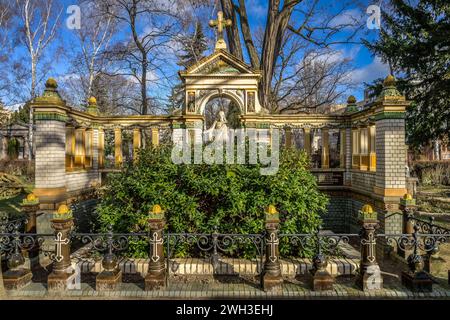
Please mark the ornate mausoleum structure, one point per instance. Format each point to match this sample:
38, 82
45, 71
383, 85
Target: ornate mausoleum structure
358, 157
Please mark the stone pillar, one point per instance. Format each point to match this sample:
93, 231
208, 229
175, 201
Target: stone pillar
372, 148
136, 142
343, 148
30, 206
416, 279
325, 148
348, 157
50, 142
369, 277
118, 156
155, 137
111, 276
272, 278
390, 142
63, 274
408, 207
156, 275
307, 140
288, 135
101, 148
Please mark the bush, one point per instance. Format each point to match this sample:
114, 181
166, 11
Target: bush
432, 172
197, 198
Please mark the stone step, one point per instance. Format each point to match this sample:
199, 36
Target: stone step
226, 266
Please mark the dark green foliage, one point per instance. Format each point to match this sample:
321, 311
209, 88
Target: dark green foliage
199, 197
13, 148
415, 41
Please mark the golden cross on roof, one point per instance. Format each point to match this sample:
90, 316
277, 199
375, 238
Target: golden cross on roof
220, 23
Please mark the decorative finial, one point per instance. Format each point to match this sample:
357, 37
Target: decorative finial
390, 91
389, 81
351, 105
351, 99
92, 101
51, 84
220, 23
92, 106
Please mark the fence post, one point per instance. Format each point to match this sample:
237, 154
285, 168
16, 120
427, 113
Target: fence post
30, 206
156, 274
17, 276
369, 277
321, 279
416, 279
111, 276
272, 279
62, 274
408, 207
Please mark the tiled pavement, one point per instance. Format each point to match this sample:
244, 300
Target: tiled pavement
201, 290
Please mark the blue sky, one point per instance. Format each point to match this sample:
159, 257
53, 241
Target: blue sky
367, 68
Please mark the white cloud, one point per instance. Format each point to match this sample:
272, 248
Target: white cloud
374, 70
347, 18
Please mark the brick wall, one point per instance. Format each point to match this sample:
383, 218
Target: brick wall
50, 137
391, 153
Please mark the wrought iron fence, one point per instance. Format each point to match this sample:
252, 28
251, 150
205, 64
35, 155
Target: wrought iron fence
214, 246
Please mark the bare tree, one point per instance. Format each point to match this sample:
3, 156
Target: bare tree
39, 24
306, 79
5, 48
151, 26
87, 58
312, 24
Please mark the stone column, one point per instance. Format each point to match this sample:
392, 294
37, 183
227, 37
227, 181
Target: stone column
156, 275
272, 278
348, 157
343, 148
155, 137
390, 142
372, 146
369, 277
288, 136
101, 148
307, 140
408, 207
63, 273
325, 148
30, 206
118, 156
136, 142
50, 142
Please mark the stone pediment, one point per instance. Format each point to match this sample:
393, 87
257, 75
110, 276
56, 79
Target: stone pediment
221, 62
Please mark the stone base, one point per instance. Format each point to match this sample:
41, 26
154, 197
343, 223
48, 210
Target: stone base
272, 283
155, 281
60, 281
108, 280
16, 279
418, 282
371, 279
321, 280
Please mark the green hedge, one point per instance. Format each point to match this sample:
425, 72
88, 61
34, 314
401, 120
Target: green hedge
197, 198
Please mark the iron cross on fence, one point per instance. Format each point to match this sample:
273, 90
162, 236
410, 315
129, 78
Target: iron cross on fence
273, 241
155, 241
371, 242
59, 242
